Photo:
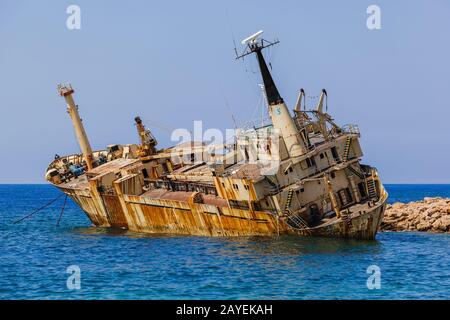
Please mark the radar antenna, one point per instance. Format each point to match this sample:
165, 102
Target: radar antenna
253, 44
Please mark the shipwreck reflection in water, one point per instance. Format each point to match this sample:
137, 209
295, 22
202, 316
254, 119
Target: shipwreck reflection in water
285, 245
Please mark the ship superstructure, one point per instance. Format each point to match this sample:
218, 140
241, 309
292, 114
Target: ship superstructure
300, 174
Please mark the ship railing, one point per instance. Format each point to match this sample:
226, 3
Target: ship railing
302, 124
350, 128
256, 124
75, 158
186, 186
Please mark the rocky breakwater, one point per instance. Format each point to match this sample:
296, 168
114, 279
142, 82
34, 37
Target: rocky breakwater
430, 214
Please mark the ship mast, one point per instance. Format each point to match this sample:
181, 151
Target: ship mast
321, 115
72, 109
279, 113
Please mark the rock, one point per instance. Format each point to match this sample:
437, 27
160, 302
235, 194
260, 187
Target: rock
442, 224
437, 214
397, 205
430, 214
423, 226
402, 226
431, 220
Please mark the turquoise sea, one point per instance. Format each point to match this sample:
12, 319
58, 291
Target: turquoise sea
35, 255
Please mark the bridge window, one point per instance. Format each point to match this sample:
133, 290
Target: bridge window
334, 153
299, 190
310, 162
362, 190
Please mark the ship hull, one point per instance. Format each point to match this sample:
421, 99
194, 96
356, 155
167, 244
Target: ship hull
358, 226
141, 214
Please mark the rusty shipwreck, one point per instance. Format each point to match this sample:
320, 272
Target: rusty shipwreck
316, 186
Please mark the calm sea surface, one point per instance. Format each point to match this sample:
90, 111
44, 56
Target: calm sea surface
35, 254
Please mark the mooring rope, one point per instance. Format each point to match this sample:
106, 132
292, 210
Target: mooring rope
62, 211
38, 209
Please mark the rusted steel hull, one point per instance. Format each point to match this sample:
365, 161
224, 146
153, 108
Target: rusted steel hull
357, 226
148, 215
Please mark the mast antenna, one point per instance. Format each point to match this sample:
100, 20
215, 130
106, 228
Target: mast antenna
254, 44
232, 114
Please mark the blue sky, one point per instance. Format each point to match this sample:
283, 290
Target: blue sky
172, 62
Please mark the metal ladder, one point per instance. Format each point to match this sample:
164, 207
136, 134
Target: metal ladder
357, 172
347, 148
371, 188
294, 221
288, 200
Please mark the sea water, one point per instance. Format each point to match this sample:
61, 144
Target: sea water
39, 260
